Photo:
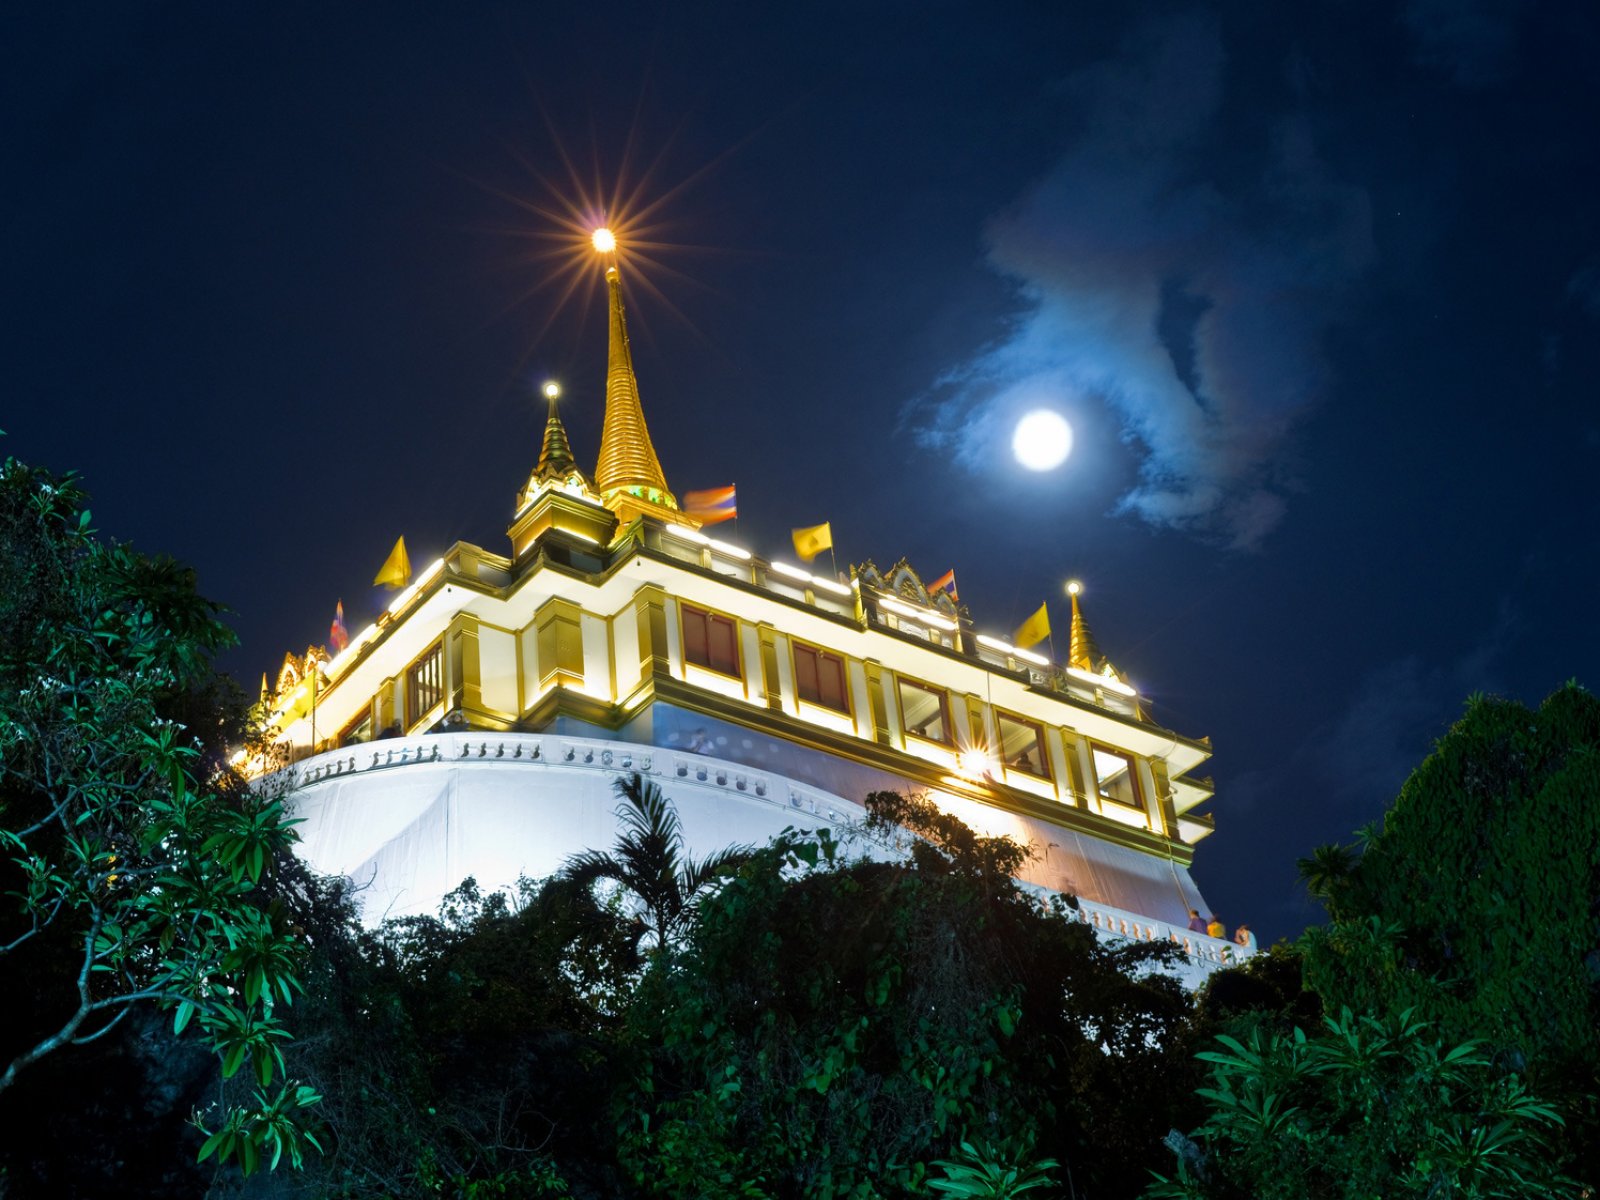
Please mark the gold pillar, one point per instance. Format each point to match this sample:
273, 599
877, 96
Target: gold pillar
769, 666
977, 730
462, 667
560, 644
880, 712
1163, 797
384, 714
651, 611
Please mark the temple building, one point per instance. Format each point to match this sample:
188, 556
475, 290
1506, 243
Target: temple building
476, 727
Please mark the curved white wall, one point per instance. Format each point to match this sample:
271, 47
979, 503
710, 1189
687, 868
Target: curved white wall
409, 818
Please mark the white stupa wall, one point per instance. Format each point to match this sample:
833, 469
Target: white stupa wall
407, 819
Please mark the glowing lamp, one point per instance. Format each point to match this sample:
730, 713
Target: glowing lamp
603, 240
551, 390
1074, 588
974, 764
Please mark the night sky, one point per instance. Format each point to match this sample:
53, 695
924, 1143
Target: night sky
1316, 284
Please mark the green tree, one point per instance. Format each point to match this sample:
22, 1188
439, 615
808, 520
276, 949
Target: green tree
1477, 901
833, 1029
1372, 1107
1463, 959
133, 883
649, 861
464, 1054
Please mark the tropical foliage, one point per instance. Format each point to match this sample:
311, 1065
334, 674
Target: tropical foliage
831, 1028
135, 868
650, 865
1370, 1107
1463, 963
1477, 901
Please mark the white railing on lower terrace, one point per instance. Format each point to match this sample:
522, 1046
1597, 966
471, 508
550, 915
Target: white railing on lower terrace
665, 764
597, 754
1208, 953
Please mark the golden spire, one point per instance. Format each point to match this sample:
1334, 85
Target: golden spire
556, 463
558, 494
1081, 650
628, 465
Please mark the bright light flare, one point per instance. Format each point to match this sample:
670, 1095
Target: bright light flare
974, 764
1042, 441
1074, 588
551, 390
603, 240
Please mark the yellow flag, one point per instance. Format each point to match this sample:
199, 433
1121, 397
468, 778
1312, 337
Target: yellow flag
1034, 630
396, 569
808, 543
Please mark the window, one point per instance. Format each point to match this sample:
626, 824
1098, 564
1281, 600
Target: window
358, 730
819, 677
424, 685
710, 640
1115, 777
1022, 746
925, 711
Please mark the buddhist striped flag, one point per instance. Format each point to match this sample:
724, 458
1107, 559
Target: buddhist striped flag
713, 504
946, 583
338, 635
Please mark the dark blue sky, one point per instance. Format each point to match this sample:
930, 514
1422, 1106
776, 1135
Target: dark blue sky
1318, 286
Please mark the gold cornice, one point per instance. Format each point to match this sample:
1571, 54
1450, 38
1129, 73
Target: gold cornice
553, 509
564, 702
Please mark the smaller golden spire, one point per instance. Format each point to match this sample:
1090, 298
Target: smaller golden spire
558, 495
556, 461
1081, 649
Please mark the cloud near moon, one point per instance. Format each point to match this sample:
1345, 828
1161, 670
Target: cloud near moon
1192, 306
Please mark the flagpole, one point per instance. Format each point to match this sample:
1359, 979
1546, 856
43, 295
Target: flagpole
314, 672
831, 557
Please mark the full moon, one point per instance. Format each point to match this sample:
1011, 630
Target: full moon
1042, 441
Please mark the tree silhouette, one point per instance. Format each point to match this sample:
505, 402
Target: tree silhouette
650, 862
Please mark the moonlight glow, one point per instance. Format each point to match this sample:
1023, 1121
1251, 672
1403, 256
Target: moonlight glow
1042, 441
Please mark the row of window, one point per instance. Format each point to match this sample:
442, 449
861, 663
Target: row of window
711, 640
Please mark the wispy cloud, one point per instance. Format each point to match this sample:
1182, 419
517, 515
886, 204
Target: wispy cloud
1475, 42
1189, 298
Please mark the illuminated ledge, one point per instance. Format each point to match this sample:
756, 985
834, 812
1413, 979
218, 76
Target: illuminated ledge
917, 771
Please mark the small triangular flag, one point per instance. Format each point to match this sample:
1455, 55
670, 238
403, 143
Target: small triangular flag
396, 569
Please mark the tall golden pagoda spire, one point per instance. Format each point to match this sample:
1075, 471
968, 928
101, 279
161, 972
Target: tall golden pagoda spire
628, 471
1081, 649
